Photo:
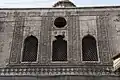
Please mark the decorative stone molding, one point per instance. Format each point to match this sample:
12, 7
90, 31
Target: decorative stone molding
57, 70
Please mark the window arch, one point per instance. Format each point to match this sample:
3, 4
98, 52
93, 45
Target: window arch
30, 49
89, 49
59, 49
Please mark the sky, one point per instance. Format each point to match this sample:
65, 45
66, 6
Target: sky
49, 3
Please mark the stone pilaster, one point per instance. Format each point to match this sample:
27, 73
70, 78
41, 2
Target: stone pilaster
17, 38
103, 38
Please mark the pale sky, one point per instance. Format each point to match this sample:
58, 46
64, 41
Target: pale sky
49, 3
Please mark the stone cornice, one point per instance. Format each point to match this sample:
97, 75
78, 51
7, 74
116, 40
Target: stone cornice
94, 7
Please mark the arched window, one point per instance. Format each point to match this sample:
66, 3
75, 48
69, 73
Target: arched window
89, 49
30, 49
59, 49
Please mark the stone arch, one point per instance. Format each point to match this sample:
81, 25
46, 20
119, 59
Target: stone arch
89, 48
30, 49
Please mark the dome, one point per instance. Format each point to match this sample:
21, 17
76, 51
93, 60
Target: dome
64, 3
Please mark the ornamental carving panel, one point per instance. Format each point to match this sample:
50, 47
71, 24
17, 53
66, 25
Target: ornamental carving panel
115, 24
17, 39
60, 70
88, 25
103, 38
45, 41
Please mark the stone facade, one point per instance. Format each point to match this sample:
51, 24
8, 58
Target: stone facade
100, 22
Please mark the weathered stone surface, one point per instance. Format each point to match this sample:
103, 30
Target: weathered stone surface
16, 25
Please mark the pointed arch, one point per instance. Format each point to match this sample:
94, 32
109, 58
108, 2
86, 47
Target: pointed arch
30, 49
89, 48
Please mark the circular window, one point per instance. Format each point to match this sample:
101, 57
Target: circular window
60, 22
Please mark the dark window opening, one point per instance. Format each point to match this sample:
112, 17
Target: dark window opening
89, 49
60, 22
30, 49
59, 49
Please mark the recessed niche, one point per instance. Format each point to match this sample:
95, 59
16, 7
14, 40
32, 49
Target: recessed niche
59, 49
60, 22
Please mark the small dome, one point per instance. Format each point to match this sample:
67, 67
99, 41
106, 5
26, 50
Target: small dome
64, 3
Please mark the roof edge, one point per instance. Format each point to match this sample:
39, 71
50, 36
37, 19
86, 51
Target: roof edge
94, 7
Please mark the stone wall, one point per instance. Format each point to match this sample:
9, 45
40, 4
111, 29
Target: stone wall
16, 25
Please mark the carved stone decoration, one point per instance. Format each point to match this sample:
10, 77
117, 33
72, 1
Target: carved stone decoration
59, 32
116, 24
115, 34
74, 38
17, 39
103, 38
70, 25
45, 47
55, 70
88, 25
